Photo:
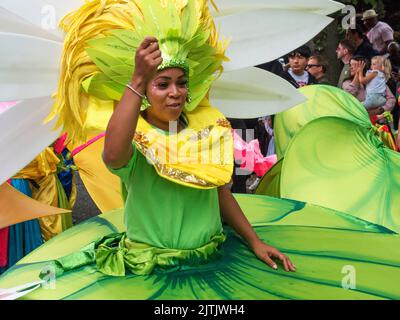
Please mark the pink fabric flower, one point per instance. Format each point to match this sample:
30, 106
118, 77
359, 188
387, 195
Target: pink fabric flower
250, 157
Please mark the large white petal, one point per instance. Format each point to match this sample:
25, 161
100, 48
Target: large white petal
252, 93
43, 14
23, 135
9, 22
28, 67
264, 35
324, 7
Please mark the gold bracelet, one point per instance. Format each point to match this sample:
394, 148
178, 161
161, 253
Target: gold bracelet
129, 85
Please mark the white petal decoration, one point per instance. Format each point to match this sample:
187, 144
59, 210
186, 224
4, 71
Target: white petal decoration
44, 14
267, 34
28, 67
20, 291
252, 93
324, 7
9, 22
23, 135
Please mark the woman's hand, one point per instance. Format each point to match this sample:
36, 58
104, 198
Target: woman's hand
358, 66
147, 60
361, 67
233, 215
266, 253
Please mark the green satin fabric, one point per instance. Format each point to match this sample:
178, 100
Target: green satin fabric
335, 163
115, 254
270, 183
63, 202
322, 101
333, 157
346, 168
121, 254
167, 220
322, 243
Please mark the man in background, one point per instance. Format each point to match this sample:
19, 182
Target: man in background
297, 74
344, 52
363, 48
380, 34
317, 67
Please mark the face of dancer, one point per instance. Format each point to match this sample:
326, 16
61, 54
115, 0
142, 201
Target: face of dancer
167, 93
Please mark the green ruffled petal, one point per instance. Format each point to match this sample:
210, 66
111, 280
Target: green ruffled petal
270, 184
322, 101
322, 243
339, 164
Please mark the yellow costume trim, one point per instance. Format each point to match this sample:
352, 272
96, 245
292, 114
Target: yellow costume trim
201, 156
103, 186
43, 165
42, 170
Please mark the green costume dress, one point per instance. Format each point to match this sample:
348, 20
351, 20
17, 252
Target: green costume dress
162, 213
167, 224
169, 227
337, 257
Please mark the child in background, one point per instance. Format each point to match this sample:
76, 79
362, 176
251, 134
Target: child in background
375, 81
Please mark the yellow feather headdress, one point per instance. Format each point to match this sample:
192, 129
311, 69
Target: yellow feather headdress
100, 44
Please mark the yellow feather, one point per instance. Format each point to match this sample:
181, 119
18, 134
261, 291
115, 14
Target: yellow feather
97, 18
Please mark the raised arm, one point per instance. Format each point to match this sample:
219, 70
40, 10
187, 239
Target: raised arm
233, 215
365, 79
122, 125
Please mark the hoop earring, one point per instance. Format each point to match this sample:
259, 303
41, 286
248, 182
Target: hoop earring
145, 104
188, 97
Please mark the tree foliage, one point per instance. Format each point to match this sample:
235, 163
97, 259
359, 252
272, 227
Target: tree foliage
364, 3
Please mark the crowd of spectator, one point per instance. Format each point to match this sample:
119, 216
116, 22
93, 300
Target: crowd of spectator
370, 72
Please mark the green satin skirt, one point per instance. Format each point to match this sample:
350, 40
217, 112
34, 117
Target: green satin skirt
337, 256
116, 255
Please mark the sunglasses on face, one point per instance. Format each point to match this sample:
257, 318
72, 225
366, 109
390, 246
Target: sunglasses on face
309, 66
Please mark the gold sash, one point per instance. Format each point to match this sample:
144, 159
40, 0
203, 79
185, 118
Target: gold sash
201, 156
